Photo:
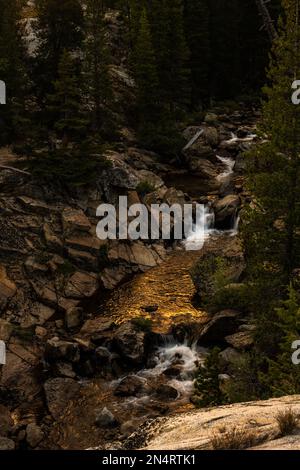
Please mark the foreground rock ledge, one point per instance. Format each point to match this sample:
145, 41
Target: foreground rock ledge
194, 430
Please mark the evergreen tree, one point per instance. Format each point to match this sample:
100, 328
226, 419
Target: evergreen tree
225, 47
283, 377
197, 26
59, 27
65, 104
96, 73
207, 384
271, 229
14, 122
145, 75
175, 84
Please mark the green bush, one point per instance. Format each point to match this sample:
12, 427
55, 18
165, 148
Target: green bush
207, 386
144, 187
231, 296
143, 323
245, 384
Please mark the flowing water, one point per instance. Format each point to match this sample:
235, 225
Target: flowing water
169, 290
169, 286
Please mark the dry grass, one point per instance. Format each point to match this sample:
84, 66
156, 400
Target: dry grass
287, 421
233, 439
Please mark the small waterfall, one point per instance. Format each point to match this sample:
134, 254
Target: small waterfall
173, 364
229, 164
236, 224
181, 356
201, 232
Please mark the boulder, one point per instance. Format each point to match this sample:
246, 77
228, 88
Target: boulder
105, 419
150, 308
64, 369
204, 169
6, 330
73, 317
6, 422
34, 434
40, 331
33, 267
74, 220
52, 240
166, 392
42, 312
97, 326
81, 285
111, 277
221, 325
173, 371
241, 340
85, 243
229, 356
48, 295
130, 343
59, 392
83, 260
154, 180
119, 174
226, 208
34, 205
6, 444
135, 253
211, 136
102, 355
211, 118
129, 386
7, 287
174, 196
57, 349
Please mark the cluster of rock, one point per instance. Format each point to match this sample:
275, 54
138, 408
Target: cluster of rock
53, 266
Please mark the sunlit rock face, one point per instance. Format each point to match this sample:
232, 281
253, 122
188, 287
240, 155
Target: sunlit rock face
198, 429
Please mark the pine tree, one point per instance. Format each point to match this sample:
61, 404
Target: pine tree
59, 27
197, 26
145, 73
96, 72
271, 228
207, 384
225, 47
65, 104
175, 79
283, 377
13, 71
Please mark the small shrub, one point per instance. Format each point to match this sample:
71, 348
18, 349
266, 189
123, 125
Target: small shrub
144, 187
245, 384
231, 296
144, 324
233, 439
207, 386
287, 421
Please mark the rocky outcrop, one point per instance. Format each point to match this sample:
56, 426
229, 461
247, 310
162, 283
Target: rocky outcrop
222, 324
59, 392
130, 343
226, 209
198, 429
7, 287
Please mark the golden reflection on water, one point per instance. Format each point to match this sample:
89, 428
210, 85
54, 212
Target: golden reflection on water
168, 286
